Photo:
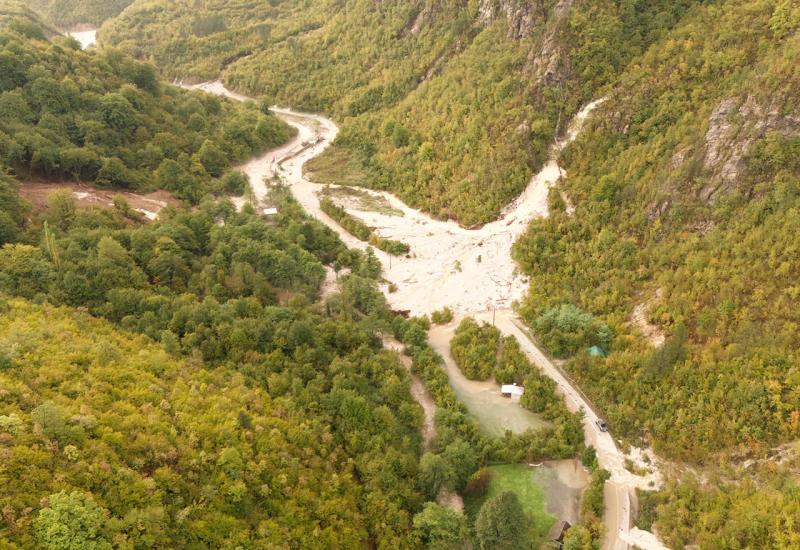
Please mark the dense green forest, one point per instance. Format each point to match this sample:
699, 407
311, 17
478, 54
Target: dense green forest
302, 411
760, 509
449, 104
18, 15
180, 383
217, 405
104, 118
679, 223
685, 188
299, 393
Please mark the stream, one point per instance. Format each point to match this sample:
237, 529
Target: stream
473, 273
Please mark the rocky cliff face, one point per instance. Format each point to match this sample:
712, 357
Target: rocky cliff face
548, 60
734, 126
551, 64
522, 15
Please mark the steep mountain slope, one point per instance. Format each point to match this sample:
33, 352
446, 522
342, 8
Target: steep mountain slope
686, 199
666, 272
21, 18
450, 104
684, 187
68, 13
172, 453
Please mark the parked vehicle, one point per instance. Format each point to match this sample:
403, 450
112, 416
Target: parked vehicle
601, 424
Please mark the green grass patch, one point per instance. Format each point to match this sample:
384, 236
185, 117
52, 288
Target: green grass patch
362, 199
336, 165
523, 481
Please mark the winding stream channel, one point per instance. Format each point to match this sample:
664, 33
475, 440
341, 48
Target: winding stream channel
470, 271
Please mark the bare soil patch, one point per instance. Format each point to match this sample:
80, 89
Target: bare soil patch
86, 196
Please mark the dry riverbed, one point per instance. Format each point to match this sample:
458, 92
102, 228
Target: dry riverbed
470, 271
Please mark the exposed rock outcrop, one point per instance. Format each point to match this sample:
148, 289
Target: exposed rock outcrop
551, 64
522, 15
734, 126
548, 62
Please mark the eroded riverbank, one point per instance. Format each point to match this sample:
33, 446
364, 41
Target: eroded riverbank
468, 270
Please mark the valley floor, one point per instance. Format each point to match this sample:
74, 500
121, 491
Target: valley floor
470, 271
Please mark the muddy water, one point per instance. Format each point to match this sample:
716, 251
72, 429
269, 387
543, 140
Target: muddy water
563, 482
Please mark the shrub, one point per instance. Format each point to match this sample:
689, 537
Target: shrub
442, 316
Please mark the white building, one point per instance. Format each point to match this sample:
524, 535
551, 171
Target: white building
512, 390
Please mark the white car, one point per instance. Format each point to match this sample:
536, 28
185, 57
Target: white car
601, 424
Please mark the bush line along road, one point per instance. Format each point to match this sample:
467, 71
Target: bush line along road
287, 163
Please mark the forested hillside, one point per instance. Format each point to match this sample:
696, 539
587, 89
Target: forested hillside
280, 416
242, 413
686, 199
665, 276
20, 17
247, 413
67, 13
106, 119
449, 104
683, 184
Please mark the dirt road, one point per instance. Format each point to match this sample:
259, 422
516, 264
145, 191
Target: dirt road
418, 392
617, 491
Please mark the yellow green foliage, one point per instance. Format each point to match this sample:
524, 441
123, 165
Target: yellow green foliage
713, 259
152, 437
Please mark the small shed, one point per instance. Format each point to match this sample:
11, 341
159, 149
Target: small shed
270, 211
512, 390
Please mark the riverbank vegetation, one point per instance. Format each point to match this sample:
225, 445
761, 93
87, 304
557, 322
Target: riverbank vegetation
684, 187
178, 382
430, 98
360, 230
475, 348
756, 505
227, 326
